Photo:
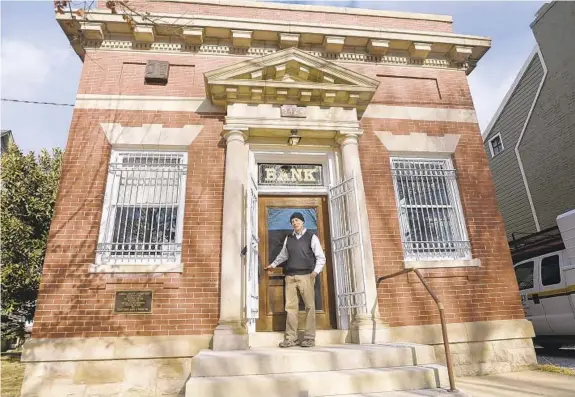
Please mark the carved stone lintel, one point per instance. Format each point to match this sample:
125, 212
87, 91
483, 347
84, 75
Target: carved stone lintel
293, 111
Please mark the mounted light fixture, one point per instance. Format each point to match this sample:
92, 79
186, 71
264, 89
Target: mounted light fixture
294, 138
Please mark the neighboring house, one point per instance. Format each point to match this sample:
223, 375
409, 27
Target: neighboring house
530, 141
198, 131
5, 139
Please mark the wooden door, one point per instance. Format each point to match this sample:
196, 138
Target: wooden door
274, 226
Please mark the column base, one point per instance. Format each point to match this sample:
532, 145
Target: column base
366, 330
230, 336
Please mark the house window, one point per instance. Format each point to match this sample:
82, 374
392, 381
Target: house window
430, 212
143, 209
496, 145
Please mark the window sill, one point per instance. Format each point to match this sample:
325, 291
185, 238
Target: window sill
442, 263
150, 268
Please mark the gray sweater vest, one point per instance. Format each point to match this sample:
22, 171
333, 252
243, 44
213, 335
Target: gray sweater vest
301, 258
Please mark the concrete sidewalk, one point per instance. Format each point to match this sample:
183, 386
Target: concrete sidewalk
518, 384
515, 384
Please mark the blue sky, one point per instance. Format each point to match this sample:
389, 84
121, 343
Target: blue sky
39, 64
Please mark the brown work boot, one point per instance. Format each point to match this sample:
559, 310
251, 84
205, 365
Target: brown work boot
287, 343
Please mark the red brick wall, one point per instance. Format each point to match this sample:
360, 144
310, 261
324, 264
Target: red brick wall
474, 294
73, 302
122, 73
241, 11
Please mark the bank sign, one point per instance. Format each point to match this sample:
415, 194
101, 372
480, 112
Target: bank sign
290, 174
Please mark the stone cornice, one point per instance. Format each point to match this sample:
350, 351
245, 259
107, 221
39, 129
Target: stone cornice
260, 48
243, 32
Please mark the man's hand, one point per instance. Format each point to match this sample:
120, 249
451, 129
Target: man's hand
314, 275
269, 268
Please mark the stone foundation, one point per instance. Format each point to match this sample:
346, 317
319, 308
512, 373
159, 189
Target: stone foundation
478, 348
110, 367
492, 357
118, 378
160, 366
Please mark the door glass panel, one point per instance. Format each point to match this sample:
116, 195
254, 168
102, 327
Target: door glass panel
550, 272
278, 228
524, 275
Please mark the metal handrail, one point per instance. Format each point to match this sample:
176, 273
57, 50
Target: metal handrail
441, 316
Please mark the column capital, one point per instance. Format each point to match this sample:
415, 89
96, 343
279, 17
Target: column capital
232, 133
348, 137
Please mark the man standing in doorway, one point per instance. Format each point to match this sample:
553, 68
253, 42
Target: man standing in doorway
305, 260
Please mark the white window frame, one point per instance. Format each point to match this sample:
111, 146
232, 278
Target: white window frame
412, 258
105, 264
491, 145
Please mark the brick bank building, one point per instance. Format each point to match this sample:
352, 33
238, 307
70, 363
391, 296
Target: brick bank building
197, 130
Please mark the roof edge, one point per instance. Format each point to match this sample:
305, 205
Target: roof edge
507, 96
316, 8
541, 13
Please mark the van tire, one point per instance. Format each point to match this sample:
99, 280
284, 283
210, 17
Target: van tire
552, 346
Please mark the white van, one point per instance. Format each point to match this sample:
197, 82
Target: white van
547, 288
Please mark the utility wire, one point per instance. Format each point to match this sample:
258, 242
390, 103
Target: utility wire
37, 103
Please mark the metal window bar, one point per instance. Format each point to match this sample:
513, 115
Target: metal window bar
253, 265
145, 204
429, 208
346, 247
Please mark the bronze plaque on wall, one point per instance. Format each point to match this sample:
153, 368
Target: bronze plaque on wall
290, 174
135, 302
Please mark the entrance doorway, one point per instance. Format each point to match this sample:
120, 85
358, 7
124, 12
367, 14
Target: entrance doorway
274, 226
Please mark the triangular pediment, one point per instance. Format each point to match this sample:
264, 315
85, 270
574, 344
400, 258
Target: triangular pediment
289, 76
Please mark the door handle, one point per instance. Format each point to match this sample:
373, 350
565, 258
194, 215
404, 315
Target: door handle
260, 270
536, 299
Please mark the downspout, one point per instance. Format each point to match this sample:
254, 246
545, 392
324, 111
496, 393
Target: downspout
521, 137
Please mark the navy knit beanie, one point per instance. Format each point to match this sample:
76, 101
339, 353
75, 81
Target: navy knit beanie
297, 215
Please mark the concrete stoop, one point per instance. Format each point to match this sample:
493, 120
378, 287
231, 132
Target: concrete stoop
409, 393
318, 371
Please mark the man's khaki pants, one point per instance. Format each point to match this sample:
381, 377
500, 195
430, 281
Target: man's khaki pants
305, 284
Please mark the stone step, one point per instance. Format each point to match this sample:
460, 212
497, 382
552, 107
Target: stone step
408, 393
324, 383
323, 337
265, 361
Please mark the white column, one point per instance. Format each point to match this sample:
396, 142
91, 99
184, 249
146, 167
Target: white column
230, 334
368, 328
